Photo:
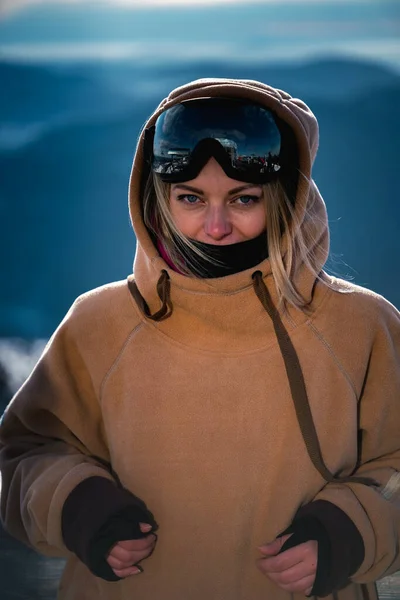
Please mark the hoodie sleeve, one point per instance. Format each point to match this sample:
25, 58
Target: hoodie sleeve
375, 511
51, 439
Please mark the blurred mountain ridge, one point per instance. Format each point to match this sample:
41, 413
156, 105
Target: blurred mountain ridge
54, 90
65, 161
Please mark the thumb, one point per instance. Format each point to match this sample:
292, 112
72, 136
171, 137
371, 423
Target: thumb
145, 527
274, 547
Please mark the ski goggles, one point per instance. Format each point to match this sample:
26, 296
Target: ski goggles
242, 136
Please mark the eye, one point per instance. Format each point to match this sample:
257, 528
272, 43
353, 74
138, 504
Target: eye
247, 200
188, 198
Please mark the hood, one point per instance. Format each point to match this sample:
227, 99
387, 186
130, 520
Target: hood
226, 310
304, 125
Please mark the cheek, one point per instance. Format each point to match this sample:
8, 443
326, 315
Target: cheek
253, 223
183, 219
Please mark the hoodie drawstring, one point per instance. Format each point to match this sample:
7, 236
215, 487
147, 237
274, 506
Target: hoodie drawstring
164, 293
291, 360
298, 388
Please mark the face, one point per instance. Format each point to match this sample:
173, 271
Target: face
215, 209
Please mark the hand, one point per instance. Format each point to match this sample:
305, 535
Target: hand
124, 556
295, 569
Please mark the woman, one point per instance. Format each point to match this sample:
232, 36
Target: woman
227, 419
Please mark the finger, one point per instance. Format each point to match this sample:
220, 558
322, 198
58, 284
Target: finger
135, 545
120, 554
278, 564
119, 565
308, 592
132, 570
275, 546
306, 552
134, 558
296, 573
299, 586
145, 527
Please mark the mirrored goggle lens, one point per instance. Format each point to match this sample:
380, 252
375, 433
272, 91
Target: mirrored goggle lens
246, 132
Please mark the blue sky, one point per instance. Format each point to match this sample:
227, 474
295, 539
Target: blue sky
264, 31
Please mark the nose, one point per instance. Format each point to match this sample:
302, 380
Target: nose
217, 224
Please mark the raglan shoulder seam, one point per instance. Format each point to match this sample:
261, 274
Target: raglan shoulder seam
118, 357
316, 332
79, 310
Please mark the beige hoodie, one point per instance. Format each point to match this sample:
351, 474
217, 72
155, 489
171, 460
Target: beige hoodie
195, 414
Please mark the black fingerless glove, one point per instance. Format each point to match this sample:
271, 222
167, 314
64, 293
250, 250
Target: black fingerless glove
340, 545
96, 515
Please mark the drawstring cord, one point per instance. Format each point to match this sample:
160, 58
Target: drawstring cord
164, 294
292, 365
298, 388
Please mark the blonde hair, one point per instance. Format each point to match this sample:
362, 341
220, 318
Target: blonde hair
280, 218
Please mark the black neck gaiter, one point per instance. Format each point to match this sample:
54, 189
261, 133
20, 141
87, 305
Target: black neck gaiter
227, 259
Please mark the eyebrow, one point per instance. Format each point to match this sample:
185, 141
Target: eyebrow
235, 190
